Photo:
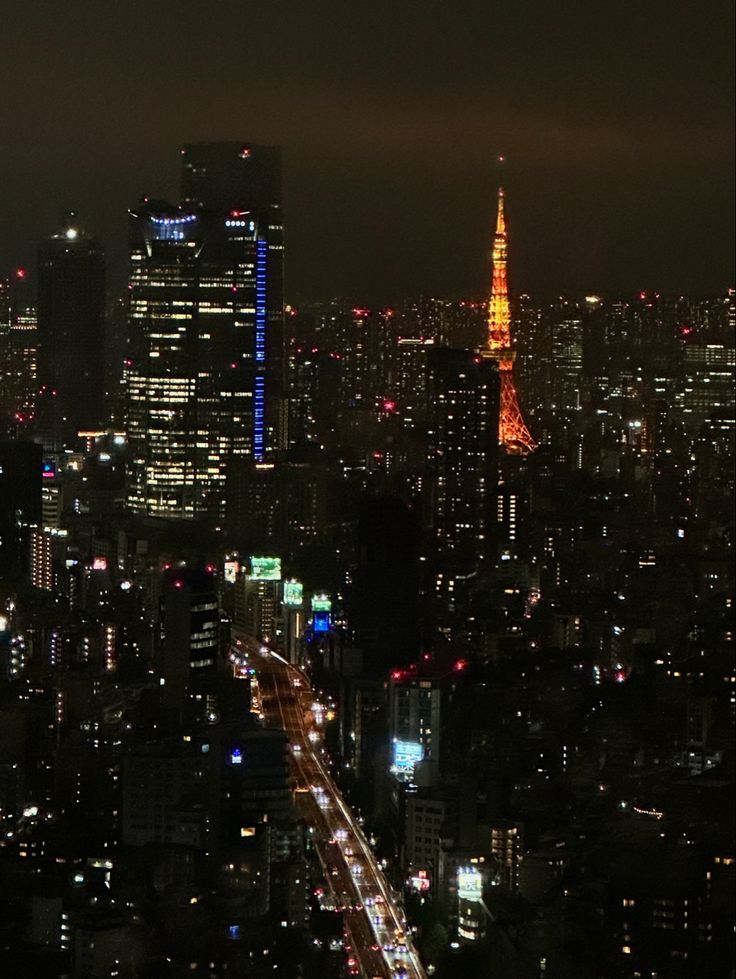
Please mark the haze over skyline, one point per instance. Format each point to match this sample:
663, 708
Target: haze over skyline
615, 122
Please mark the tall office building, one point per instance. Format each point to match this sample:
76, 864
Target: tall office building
566, 378
71, 325
464, 455
708, 384
414, 705
20, 498
18, 354
314, 387
190, 628
205, 364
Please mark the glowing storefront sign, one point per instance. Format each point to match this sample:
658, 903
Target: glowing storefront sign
420, 881
321, 603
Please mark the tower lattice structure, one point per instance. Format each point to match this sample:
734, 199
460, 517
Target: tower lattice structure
513, 433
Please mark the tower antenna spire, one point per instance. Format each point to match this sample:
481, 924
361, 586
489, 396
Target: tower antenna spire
513, 433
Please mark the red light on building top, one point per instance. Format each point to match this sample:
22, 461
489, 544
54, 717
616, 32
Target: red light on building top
210, 569
361, 312
20, 273
178, 584
462, 664
397, 674
685, 330
389, 406
245, 153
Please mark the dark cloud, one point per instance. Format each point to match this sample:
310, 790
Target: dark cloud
616, 121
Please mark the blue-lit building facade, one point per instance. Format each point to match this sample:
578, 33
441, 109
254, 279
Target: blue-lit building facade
205, 358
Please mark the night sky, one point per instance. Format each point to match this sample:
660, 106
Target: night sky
615, 118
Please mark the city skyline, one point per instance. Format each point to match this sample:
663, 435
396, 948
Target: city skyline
367, 480
619, 149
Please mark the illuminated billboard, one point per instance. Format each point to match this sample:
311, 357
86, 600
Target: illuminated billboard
99, 564
231, 571
293, 592
469, 884
321, 603
321, 622
265, 568
406, 755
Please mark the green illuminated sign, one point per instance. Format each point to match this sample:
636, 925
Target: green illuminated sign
293, 592
265, 568
321, 603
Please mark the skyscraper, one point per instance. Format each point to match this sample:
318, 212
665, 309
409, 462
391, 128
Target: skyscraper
205, 371
71, 323
190, 627
18, 354
463, 454
20, 498
567, 329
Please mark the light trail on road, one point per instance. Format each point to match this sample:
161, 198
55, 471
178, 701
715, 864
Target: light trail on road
374, 921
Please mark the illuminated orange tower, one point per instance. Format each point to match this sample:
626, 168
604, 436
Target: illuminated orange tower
512, 431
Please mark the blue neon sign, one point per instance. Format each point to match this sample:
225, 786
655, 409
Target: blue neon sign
259, 392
